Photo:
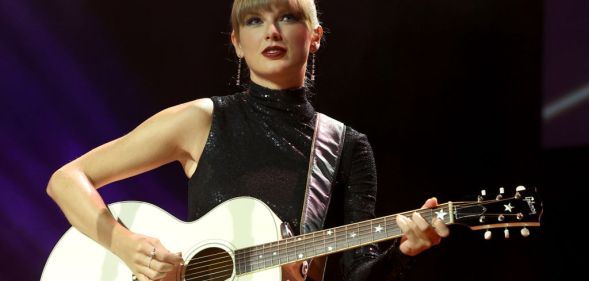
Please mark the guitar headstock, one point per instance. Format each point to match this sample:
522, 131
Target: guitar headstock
521, 209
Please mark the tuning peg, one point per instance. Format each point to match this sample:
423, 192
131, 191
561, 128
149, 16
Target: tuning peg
506, 233
525, 232
520, 216
488, 235
500, 195
517, 191
481, 197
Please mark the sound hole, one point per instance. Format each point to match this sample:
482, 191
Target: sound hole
211, 264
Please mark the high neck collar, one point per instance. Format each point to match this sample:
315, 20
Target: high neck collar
292, 101
290, 96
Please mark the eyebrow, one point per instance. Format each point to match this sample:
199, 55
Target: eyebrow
280, 10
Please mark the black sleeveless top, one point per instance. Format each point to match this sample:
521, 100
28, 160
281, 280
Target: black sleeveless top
259, 145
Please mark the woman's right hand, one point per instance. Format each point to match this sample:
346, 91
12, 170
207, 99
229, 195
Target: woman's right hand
147, 258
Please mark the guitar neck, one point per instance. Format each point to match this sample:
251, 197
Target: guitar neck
329, 241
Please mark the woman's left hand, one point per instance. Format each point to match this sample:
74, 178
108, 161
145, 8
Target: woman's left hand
418, 234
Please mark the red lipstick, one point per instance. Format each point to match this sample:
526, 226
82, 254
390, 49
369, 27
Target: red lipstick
274, 52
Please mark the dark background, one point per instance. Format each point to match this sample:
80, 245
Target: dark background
450, 94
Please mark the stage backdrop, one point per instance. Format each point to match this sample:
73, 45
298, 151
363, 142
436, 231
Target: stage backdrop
448, 92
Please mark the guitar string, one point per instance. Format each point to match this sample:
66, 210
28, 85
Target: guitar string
313, 235
355, 242
229, 266
290, 242
298, 244
302, 244
244, 252
385, 219
301, 241
227, 272
351, 226
243, 256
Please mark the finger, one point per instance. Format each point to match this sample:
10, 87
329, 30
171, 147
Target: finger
153, 268
408, 236
441, 228
425, 231
151, 274
173, 259
405, 224
159, 266
148, 248
430, 203
165, 256
142, 277
420, 222
163, 261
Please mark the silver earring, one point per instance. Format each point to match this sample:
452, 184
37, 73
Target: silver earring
313, 67
238, 79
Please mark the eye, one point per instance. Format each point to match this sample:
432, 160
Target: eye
290, 17
253, 20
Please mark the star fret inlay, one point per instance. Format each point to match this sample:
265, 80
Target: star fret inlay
378, 228
441, 214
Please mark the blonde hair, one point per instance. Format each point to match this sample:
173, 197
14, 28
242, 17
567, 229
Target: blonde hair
241, 8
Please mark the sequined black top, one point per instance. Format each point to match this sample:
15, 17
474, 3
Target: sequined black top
259, 146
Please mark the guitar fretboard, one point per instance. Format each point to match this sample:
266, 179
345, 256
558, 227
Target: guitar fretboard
328, 241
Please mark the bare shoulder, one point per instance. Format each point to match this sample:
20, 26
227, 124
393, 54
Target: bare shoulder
189, 121
200, 108
192, 121
186, 118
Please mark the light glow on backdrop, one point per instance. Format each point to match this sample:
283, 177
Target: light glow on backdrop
566, 74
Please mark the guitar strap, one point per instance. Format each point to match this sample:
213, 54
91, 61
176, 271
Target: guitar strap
328, 142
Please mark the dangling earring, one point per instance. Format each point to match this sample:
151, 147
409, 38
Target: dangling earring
238, 79
313, 67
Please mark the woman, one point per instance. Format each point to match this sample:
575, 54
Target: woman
248, 143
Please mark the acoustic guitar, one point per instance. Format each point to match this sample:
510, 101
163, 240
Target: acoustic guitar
241, 238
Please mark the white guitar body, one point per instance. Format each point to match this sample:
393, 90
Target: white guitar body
235, 224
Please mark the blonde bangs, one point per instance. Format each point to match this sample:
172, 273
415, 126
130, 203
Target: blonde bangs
241, 8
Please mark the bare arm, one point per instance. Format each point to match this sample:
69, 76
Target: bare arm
175, 134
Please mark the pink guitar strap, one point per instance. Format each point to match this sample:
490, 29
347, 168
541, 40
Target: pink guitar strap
328, 141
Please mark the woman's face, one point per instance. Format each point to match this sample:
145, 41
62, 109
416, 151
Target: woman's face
275, 44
